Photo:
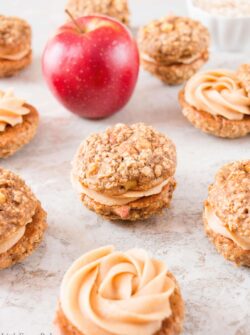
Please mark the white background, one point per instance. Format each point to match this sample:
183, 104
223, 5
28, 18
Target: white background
217, 294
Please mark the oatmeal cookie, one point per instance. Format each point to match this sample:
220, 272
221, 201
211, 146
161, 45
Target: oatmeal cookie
14, 138
15, 45
217, 102
227, 212
114, 8
171, 325
125, 166
214, 124
22, 219
173, 48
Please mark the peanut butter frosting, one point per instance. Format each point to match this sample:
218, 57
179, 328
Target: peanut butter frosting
12, 240
107, 292
12, 110
16, 56
119, 200
218, 92
184, 60
218, 227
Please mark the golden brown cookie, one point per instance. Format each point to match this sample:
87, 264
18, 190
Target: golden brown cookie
15, 45
227, 212
14, 138
214, 124
114, 8
22, 219
173, 48
171, 325
126, 172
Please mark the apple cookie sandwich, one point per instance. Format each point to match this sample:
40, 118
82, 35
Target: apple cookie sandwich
117, 9
109, 292
173, 48
22, 220
227, 212
125, 173
218, 102
18, 123
15, 45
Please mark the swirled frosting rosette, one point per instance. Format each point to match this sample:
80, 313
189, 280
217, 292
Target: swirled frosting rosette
218, 92
108, 292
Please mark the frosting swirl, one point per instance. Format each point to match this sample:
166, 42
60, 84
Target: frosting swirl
105, 292
12, 110
218, 92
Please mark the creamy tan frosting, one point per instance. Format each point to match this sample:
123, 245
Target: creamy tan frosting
17, 56
121, 200
187, 60
12, 240
218, 92
12, 110
107, 292
217, 226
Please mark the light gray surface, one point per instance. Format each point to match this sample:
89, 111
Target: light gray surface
217, 294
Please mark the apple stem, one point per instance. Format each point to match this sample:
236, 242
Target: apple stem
74, 21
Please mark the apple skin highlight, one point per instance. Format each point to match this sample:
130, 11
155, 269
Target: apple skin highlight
92, 67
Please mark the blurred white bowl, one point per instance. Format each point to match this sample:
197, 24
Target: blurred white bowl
228, 34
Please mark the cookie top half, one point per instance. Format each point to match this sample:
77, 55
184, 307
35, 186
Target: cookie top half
15, 35
229, 196
17, 204
115, 8
173, 39
123, 158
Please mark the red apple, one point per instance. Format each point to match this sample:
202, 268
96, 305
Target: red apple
91, 65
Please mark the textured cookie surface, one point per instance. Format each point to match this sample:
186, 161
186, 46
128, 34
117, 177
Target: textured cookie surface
14, 138
115, 8
229, 196
171, 326
123, 158
15, 35
215, 125
173, 39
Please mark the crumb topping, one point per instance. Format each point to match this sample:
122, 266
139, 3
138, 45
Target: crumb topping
17, 203
15, 34
173, 39
115, 8
230, 196
125, 158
